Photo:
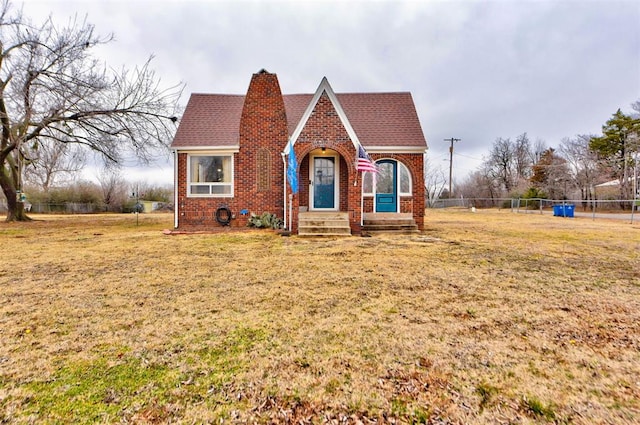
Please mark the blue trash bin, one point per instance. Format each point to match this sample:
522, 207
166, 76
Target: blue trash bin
557, 210
568, 210
565, 210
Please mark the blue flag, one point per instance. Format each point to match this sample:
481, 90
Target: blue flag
292, 170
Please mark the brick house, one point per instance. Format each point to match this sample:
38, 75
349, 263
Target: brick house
231, 155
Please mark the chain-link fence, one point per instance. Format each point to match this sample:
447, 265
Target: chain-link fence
471, 202
58, 208
628, 209
91, 208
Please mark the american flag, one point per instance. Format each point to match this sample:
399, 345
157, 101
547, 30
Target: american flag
364, 161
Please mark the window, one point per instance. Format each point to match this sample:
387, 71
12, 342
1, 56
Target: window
384, 180
405, 180
367, 183
210, 175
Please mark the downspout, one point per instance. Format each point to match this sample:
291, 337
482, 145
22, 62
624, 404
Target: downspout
284, 186
175, 189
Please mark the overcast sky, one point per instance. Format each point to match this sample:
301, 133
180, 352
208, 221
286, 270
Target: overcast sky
478, 70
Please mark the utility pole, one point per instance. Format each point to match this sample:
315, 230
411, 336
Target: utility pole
451, 161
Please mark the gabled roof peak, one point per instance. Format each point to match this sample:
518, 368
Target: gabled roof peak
324, 87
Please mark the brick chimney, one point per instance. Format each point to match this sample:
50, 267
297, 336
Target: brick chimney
263, 136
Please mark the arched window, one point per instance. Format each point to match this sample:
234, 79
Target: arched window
367, 183
405, 180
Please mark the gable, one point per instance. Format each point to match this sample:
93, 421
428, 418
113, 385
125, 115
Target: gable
325, 125
381, 120
324, 90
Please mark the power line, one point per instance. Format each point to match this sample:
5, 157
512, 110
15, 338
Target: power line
470, 157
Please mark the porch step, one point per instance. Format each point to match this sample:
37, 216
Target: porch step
389, 223
323, 224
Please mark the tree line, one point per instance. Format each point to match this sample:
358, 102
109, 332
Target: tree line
572, 170
111, 193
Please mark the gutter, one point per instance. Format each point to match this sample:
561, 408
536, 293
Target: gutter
175, 189
284, 187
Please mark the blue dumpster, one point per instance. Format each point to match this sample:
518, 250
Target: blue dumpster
565, 210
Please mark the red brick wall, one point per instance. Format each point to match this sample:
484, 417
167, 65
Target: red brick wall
303, 181
264, 134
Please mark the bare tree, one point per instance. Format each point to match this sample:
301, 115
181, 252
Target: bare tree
435, 181
114, 188
522, 157
52, 90
482, 186
539, 147
582, 164
53, 163
501, 163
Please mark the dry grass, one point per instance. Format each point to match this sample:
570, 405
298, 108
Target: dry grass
484, 318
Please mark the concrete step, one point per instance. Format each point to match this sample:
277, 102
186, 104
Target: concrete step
324, 231
324, 215
398, 222
323, 224
391, 227
367, 232
389, 223
319, 222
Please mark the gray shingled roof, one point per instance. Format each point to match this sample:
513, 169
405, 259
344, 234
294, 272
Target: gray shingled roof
379, 119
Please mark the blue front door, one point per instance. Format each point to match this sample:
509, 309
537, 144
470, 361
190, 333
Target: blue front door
324, 177
386, 187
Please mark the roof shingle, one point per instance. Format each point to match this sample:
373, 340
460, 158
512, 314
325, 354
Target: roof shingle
379, 119
210, 120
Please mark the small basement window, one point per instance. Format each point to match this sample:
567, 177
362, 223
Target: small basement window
210, 175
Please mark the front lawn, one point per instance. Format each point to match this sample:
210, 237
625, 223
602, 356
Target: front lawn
490, 317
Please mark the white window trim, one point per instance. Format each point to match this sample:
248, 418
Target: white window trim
336, 181
400, 192
210, 195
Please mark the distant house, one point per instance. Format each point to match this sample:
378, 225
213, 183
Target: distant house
232, 152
